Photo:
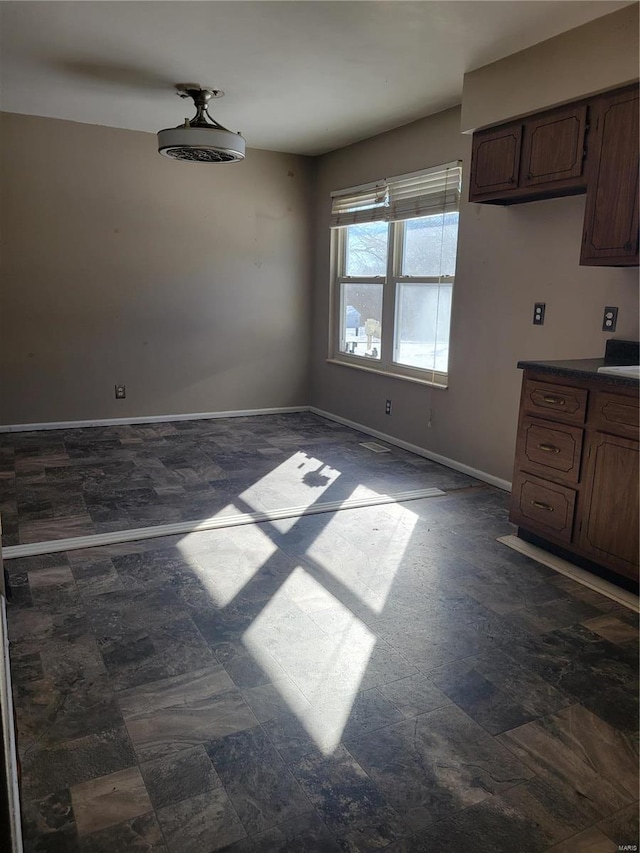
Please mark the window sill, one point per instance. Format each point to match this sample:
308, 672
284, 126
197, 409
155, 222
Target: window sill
388, 373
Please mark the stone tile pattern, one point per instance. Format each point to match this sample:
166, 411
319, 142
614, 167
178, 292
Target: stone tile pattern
58, 484
389, 678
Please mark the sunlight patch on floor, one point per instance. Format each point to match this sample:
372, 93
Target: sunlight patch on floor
326, 668
364, 554
312, 646
299, 481
225, 566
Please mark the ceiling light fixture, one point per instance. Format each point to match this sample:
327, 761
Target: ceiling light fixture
201, 139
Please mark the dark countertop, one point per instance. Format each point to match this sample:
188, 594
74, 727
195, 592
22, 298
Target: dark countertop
582, 368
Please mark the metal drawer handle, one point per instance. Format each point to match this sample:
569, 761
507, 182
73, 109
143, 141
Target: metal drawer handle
559, 401
549, 448
540, 505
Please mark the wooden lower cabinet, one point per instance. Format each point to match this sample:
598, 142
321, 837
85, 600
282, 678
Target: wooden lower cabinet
609, 528
576, 476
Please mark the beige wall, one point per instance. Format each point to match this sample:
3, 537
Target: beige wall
597, 56
508, 258
188, 283
192, 285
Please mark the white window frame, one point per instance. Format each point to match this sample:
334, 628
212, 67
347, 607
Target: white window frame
393, 277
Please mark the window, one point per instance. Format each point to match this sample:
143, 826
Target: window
394, 246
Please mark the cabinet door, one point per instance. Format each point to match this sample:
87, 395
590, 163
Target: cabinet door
610, 235
495, 161
609, 512
553, 149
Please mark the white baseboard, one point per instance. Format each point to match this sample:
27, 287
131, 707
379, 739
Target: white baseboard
217, 522
505, 485
150, 419
564, 567
241, 413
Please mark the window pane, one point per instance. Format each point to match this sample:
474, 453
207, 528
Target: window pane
430, 245
366, 250
423, 312
360, 319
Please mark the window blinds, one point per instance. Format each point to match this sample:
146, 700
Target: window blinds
423, 193
361, 204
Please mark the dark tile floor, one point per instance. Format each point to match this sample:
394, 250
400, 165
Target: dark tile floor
380, 678
63, 483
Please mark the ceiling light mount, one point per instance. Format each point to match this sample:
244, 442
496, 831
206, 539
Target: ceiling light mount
201, 139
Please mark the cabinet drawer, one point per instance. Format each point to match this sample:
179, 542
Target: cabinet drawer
615, 413
542, 507
558, 402
551, 450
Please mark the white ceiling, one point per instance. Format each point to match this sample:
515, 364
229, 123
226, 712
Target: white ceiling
303, 76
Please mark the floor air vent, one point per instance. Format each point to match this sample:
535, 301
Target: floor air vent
373, 445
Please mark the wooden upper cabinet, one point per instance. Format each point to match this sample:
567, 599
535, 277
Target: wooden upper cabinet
553, 149
590, 146
538, 157
495, 161
611, 218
